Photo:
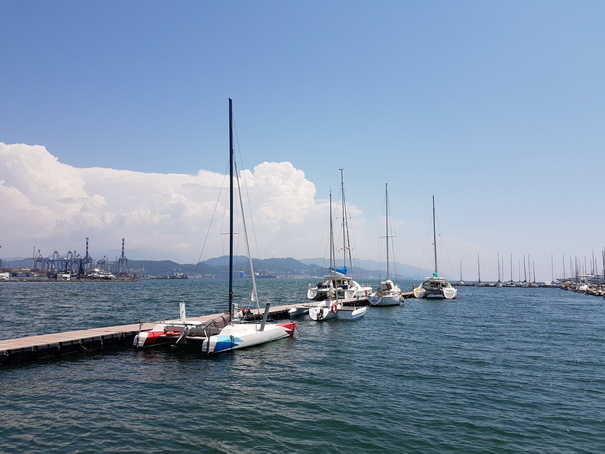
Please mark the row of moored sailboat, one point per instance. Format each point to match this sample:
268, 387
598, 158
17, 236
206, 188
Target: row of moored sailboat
231, 331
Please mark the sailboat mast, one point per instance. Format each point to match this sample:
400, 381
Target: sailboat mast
332, 253
386, 188
597, 267
478, 269
231, 159
346, 245
524, 270
552, 268
344, 227
434, 237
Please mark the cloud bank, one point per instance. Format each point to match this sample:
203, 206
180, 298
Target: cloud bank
49, 205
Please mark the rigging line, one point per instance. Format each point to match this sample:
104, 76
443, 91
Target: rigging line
246, 185
321, 244
389, 243
246, 240
254, 295
445, 249
392, 240
205, 242
382, 245
394, 257
426, 243
348, 237
332, 249
224, 195
345, 223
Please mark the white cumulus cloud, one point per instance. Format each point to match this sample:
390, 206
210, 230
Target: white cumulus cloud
52, 206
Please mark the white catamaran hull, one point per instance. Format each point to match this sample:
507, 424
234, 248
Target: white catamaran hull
435, 287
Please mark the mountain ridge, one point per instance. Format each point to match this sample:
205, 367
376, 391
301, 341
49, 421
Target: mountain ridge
271, 267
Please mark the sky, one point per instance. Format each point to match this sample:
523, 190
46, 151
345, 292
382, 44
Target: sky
114, 124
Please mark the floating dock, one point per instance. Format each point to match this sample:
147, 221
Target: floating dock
96, 340
99, 340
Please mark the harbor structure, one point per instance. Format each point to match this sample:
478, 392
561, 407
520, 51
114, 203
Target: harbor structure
72, 265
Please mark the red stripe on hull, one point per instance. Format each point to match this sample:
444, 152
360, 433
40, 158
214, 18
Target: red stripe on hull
290, 327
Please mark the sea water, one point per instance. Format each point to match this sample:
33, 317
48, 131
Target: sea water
497, 370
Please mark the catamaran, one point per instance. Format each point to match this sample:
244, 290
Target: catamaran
332, 306
225, 332
344, 286
435, 285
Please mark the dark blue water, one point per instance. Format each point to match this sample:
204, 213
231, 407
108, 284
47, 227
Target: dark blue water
497, 370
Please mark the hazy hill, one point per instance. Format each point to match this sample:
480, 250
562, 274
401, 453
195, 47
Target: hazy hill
376, 269
368, 269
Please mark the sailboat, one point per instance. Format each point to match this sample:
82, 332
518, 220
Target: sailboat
500, 283
461, 281
344, 285
225, 332
326, 306
479, 283
388, 293
332, 307
435, 285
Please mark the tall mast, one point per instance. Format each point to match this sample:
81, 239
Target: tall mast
524, 270
344, 228
231, 158
435, 238
386, 187
346, 245
552, 268
332, 254
478, 270
603, 257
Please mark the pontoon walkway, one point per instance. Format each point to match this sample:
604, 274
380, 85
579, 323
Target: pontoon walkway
97, 340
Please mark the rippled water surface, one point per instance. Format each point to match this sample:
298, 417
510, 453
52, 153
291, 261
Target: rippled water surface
496, 370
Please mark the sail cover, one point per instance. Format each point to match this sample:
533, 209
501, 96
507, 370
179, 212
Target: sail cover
342, 270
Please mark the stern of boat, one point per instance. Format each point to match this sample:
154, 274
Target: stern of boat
419, 292
449, 293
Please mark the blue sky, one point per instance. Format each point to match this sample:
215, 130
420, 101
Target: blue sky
496, 108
